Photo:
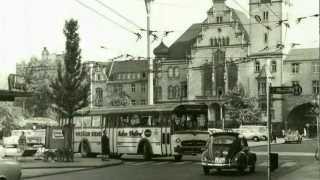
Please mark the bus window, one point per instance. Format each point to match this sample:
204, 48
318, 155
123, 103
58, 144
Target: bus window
156, 121
95, 121
190, 122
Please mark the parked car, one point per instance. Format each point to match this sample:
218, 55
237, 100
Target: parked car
11, 150
9, 170
226, 150
253, 132
292, 136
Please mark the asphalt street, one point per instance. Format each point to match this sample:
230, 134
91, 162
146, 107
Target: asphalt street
189, 169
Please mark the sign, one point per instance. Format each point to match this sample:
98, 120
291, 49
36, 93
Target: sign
296, 90
281, 90
147, 133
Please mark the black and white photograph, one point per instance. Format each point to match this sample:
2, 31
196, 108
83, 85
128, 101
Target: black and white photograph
159, 90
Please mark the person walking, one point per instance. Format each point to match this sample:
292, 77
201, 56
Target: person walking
22, 142
105, 146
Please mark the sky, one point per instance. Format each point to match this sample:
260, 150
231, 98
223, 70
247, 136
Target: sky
26, 26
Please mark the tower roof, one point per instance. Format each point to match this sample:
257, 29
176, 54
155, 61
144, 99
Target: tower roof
161, 50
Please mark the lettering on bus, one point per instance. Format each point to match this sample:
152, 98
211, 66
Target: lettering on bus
132, 133
87, 133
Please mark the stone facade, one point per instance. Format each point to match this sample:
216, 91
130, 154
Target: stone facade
119, 83
256, 45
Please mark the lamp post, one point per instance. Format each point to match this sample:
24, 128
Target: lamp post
150, 73
268, 85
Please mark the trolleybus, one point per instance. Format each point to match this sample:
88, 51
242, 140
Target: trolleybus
150, 130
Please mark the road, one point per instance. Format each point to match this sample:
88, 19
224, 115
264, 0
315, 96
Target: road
190, 169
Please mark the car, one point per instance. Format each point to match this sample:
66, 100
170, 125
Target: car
292, 137
253, 132
227, 150
10, 170
11, 150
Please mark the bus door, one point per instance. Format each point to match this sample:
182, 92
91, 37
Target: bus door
110, 126
165, 135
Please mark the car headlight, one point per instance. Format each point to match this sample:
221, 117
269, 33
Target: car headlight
178, 140
225, 153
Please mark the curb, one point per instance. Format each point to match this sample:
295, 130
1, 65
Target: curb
87, 168
71, 166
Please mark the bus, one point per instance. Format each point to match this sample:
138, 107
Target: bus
149, 130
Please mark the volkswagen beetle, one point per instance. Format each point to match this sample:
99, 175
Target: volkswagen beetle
226, 150
9, 170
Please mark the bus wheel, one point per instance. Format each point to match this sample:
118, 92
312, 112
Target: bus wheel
147, 154
178, 157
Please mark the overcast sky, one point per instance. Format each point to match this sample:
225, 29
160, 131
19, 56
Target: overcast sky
26, 26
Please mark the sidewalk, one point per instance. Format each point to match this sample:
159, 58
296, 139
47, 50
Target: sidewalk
38, 168
310, 172
264, 143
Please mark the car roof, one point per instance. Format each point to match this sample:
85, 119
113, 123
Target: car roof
236, 134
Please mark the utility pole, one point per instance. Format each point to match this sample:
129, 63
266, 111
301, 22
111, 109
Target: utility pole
91, 85
268, 85
150, 70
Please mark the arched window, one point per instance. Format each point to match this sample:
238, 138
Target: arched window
176, 71
215, 42
99, 97
174, 92
177, 88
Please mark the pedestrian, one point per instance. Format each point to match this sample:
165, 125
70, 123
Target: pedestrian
22, 142
283, 133
274, 137
105, 146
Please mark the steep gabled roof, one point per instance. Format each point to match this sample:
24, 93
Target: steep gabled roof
130, 66
182, 45
303, 54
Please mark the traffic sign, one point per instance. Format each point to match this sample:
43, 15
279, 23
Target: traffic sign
281, 90
296, 90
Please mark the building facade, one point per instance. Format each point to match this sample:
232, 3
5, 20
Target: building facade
119, 83
230, 50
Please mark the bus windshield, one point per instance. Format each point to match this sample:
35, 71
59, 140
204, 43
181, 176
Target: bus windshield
193, 122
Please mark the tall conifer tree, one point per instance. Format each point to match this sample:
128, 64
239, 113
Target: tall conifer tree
70, 89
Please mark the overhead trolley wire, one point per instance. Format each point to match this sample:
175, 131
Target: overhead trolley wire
105, 17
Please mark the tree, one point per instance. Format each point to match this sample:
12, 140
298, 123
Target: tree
70, 90
243, 110
37, 80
